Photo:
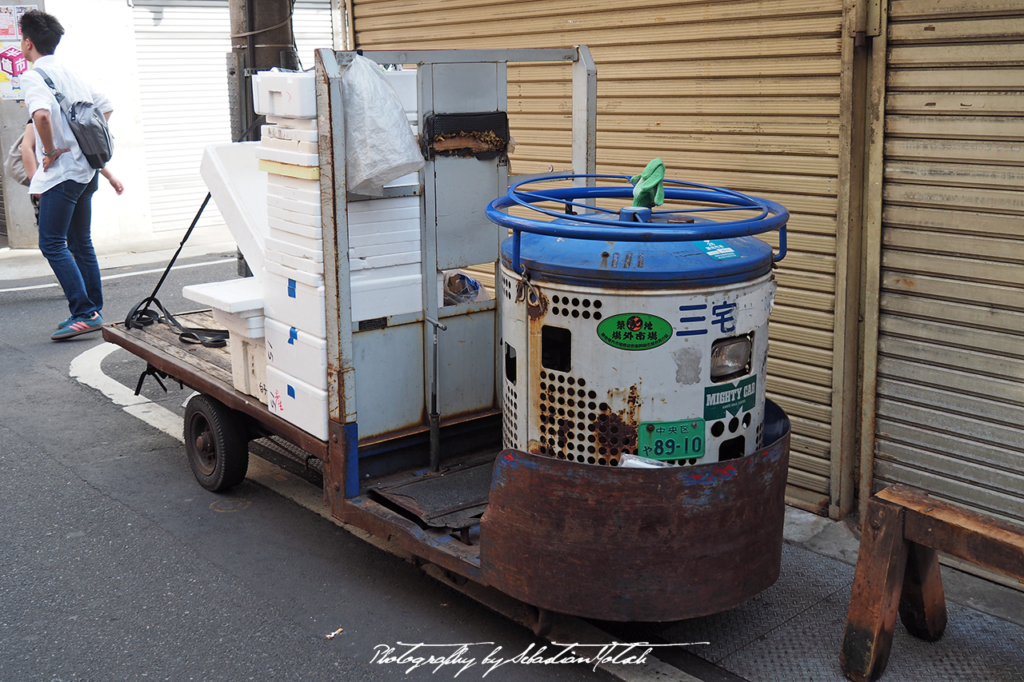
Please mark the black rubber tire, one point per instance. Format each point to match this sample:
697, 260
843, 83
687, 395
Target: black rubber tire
216, 443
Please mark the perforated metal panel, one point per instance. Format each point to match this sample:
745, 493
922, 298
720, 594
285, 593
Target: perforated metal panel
743, 94
950, 391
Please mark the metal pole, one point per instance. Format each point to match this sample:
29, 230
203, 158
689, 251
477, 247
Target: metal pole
435, 417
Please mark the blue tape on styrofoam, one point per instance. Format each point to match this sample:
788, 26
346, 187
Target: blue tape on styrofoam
293, 334
291, 391
291, 288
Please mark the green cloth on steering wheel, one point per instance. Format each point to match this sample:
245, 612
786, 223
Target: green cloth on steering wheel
649, 186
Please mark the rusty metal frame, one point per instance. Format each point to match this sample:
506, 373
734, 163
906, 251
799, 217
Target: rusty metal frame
872, 265
343, 470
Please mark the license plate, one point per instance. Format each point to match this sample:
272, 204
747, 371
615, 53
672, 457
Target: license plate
671, 440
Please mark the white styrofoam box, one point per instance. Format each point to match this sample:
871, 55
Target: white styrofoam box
294, 205
383, 215
291, 262
375, 296
363, 241
282, 133
296, 123
249, 366
283, 156
297, 402
293, 216
297, 353
275, 181
277, 225
285, 94
297, 240
248, 327
290, 300
409, 179
287, 247
233, 295
311, 279
383, 249
311, 196
300, 146
239, 188
385, 260
404, 83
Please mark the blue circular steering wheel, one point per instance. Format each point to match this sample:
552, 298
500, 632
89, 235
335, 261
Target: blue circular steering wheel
634, 224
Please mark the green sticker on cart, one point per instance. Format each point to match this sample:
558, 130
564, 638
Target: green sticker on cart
671, 440
634, 331
730, 398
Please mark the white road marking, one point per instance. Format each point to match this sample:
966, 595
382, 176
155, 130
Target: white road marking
125, 274
87, 369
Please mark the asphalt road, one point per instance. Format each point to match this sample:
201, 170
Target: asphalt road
116, 565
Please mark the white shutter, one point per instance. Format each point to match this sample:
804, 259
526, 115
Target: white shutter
950, 388
183, 84
312, 29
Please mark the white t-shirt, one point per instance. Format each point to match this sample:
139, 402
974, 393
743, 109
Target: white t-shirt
38, 95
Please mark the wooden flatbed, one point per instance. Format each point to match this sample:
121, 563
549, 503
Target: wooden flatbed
207, 370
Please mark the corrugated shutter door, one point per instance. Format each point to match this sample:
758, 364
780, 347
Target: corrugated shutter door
183, 82
745, 95
312, 28
950, 387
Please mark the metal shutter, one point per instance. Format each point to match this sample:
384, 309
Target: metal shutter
312, 29
950, 382
181, 52
746, 95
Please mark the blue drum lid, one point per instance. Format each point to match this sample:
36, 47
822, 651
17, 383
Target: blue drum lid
695, 264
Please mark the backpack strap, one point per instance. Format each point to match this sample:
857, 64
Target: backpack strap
61, 100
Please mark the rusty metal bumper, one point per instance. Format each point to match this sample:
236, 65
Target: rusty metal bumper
637, 544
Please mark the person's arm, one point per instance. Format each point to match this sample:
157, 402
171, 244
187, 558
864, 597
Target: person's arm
44, 135
28, 151
114, 182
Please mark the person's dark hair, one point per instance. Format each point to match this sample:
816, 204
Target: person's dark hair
42, 29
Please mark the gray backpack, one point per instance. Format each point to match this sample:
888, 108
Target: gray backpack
88, 124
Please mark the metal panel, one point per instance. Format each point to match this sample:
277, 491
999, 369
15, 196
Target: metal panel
950, 363
745, 94
391, 357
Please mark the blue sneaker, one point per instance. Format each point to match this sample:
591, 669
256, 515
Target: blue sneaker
66, 322
83, 324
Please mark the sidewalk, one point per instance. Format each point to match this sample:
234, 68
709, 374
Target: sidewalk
793, 631
29, 263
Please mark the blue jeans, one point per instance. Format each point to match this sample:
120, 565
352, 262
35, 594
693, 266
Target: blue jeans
65, 218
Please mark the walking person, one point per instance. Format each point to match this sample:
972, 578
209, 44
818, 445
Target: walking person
64, 180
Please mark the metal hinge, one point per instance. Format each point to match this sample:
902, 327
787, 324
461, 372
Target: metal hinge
867, 18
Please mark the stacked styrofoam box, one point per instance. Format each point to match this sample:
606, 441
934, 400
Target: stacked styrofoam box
293, 283
384, 248
238, 306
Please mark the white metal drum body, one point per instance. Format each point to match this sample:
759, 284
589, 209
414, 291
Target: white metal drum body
591, 374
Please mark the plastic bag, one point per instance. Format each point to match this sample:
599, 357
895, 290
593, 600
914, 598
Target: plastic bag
379, 144
461, 288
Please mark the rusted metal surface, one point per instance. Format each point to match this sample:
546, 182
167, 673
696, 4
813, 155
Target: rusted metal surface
635, 544
142, 343
435, 546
